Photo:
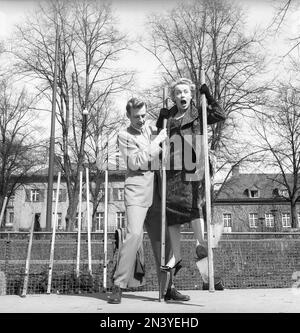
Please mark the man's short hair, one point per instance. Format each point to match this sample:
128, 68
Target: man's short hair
182, 80
134, 103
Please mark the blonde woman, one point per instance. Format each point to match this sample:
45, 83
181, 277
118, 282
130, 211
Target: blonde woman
185, 169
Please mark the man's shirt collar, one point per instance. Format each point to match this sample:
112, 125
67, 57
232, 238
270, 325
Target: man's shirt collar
139, 130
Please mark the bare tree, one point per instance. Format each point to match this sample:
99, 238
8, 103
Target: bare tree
20, 153
283, 9
101, 151
89, 48
279, 134
210, 34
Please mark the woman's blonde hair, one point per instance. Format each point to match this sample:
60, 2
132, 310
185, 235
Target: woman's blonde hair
182, 80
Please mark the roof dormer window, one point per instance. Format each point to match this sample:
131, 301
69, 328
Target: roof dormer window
253, 194
284, 193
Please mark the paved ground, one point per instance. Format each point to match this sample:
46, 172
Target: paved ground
227, 301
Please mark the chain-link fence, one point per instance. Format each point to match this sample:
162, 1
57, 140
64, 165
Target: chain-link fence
243, 260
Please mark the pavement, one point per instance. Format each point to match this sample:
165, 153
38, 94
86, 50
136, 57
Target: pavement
283, 300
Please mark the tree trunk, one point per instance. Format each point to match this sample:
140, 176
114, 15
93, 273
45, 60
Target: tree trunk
294, 219
2, 225
73, 194
71, 212
94, 221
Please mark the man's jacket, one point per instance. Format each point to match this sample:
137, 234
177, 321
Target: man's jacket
141, 156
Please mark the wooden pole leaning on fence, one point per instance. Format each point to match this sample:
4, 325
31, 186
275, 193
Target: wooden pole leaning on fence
88, 222
3, 210
54, 224
105, 229
207, 189
163, 199
27, 265
79, 226
105, 222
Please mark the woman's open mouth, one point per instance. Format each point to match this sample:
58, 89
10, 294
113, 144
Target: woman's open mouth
183, 102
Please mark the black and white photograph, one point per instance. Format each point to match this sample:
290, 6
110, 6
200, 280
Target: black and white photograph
149, 160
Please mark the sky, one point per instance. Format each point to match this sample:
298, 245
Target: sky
132, 17
132, 13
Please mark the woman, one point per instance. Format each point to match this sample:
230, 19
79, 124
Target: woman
185, 164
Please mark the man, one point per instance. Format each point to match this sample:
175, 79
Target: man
139, 145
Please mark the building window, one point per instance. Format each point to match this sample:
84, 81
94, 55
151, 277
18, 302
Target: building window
253, 220
76, 222
227, 220
34, 195
254, 194
270, 220
286, 221
59, 195
59, 225
121, 219
120, 193
99, 221
11, 217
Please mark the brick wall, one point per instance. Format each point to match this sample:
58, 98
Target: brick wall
242, 263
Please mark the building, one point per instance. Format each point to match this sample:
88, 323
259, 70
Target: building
245, 203
254, 202
29, 202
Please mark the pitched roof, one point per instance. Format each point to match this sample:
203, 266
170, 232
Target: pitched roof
41, 175
237, 187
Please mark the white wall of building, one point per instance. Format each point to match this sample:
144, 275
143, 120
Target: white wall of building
24, 210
